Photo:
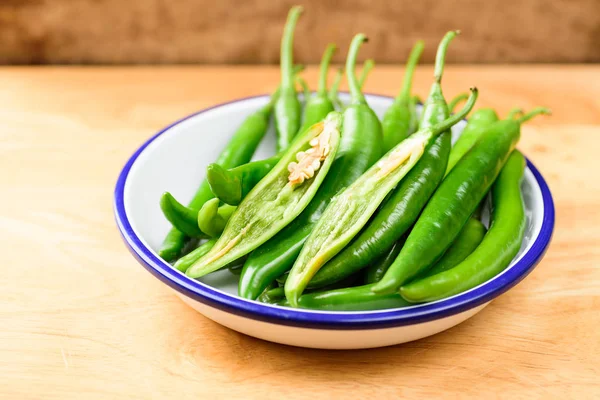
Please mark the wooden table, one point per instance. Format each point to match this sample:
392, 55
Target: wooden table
81, 319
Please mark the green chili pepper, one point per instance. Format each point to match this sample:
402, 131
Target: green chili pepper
335, 87
498, 248
239, 151
375, 271
478, 123
186, 261
358, 298
360, 147
453, 202
366, 70
352, 208
406, 202
212, 218
318, 106
459, 98
182, 217
232, 185
278, 198
465, 243
400, 119
287, 106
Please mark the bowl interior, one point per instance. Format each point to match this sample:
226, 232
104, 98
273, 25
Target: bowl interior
176, 160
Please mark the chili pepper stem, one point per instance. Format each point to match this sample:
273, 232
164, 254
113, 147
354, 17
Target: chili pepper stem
413, 59
514, 112
367, 67
355, 92
324, 68
287, 43
536, 111
440, 57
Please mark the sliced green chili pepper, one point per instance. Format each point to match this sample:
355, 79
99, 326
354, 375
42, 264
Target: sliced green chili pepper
335, 87
498, 248
465, 243
400, 119
407, 200
459, 98
366, 70
288, 107
212, 218
278, 198
375, 272
360, 147
319, 105
186, 261
478, 123
358, 298
239, 151
232, 185
453, 202
352, 208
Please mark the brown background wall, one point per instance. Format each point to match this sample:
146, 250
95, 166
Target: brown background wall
248, 31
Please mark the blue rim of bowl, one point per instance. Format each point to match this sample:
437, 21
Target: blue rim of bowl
209, 296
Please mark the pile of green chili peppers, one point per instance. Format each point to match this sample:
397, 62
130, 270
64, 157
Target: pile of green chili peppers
354, 212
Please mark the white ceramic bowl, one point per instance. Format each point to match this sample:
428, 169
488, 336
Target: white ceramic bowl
175, 159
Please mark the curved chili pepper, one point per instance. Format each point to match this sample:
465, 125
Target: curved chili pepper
182, 217
350, 210
239, 151
212, 218
232, 185
288, 107
406, 202
319, 105
498, 248
376, 270
465, 243
278, 198
400, 119
459, 98
478, 123
453, 202
359, 149
186, 261
358, 298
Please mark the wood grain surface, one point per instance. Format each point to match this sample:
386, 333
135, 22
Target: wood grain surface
81, 319
249, 31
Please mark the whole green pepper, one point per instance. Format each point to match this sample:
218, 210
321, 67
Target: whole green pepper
478, 123
400, 119
319, 105
278, 198
358, 298
406, 202
498, 248
360, 147
465, 243
232, 185
239, 151
186, 261
453, 202
350, 210
376, 270
288, 107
